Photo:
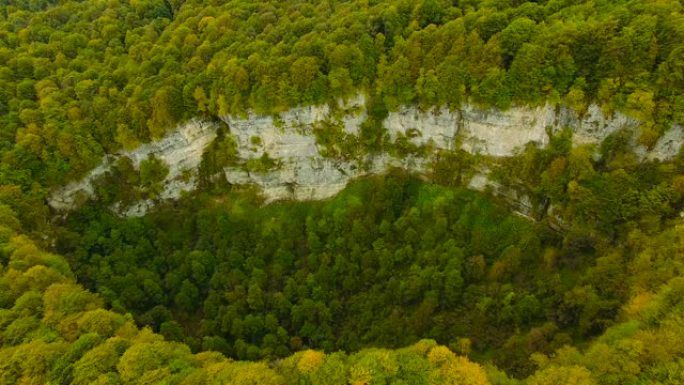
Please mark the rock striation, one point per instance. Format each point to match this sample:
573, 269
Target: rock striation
303, 173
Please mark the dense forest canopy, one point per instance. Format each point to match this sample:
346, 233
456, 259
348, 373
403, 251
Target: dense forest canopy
393, 259
587, 289
517, 291
55, 332
84, 78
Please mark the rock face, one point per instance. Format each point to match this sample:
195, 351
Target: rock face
437, 127
668, 145
501, 133
181, 150
302, 173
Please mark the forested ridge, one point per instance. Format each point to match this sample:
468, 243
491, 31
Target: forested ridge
418, 280
80, 79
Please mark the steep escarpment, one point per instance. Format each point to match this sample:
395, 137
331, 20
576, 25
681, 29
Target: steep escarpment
237, 104
181, 151
285, 157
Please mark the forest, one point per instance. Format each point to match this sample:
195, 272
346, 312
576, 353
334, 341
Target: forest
399, 279
83, 78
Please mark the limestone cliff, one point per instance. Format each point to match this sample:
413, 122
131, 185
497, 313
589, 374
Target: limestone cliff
181, 150
303, 173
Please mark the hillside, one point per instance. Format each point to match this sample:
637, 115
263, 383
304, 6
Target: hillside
329, 192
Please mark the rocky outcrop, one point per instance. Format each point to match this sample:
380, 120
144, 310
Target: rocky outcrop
437, 127
300, 171
181, 151
502, 133
668, 146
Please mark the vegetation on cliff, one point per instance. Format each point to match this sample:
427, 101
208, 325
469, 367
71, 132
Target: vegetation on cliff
590, 291
393, 259
82, 78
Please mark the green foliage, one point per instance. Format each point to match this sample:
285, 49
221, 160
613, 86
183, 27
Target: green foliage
222, 152
452, 168
518, 32
411, 260
153, 171
124, 184
262, 164
448, 264
69, 345
406, 247
118, 74
335, 143
386, 263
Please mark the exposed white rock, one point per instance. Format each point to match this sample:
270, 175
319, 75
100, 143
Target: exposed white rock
258, 135
502, 133
76, 193
356, 101
668, 146
354, 113
181, 151
436, 126
593, 126
303, 173
481, 182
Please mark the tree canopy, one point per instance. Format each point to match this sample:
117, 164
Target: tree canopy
398, 279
